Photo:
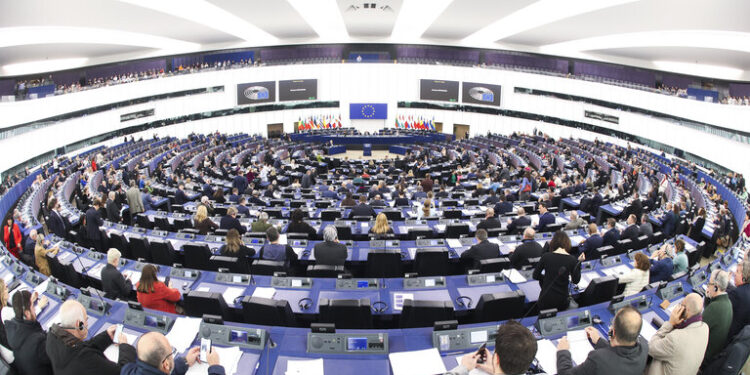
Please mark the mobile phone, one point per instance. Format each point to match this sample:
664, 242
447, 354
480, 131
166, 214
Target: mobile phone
166, 280
683, 314
205, 349
118, 332
481, 351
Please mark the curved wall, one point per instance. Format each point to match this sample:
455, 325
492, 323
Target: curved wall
383, 83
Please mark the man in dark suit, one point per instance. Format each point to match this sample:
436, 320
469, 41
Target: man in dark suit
56, 223
490, 221
307, 179
362, 209
230, 221
545, 217
596, 202
646, 229
668, 221
113, 210
242, 208
482, 250
589, 246
378, 201
239, 182
330, 193
528, 248
521, 221
255, 199
115, 285
93, 222
502, 207
235, 196
179, 195
29, 245
401, 201
330, 251
631, 231
612, 235
491, 200
635, 207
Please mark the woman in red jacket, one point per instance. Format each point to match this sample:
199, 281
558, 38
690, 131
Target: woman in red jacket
12, 237
154, 294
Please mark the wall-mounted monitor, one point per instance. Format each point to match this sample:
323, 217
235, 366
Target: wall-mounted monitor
436, 89
298, 89
256, 92
480, 93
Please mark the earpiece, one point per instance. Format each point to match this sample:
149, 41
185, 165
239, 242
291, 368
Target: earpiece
304, 303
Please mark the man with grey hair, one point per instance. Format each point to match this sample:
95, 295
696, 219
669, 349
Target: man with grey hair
668, 345
330, 252
230, 221
133, 195
575, 221
520, 222
260, 225
490, 221
112, 208
527, 249
115, 285
740, 297
718, 313
27, 255
71, 355
155, 355
484, 249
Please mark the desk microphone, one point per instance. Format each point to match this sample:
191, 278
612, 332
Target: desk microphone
104, 307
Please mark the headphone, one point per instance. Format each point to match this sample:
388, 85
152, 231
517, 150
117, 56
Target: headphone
381, 309
304, 303
80, 326
460, 301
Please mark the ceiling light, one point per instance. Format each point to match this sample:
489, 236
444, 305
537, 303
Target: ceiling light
702, 70
207, 14
537, 14
322, 16
31, 67
415, 17
21, 36
714, 39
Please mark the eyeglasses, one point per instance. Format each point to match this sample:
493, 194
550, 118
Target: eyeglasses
174, 351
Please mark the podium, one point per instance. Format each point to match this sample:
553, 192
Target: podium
367, 149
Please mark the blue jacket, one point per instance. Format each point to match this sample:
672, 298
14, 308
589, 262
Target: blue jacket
546, 219
740, 298
180, 368
661, 270
668, 223
589, 246
611, 237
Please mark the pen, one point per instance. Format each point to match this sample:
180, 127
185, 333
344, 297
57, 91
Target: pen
257, 364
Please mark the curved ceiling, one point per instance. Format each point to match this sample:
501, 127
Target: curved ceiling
703, 34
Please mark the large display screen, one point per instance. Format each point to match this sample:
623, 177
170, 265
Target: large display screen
480, 93
298, 89
435, 89
256, 92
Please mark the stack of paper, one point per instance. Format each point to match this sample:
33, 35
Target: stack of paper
579, 345
231, 293
228, 357
306, 367
454, 243
113, 351
514, 276
399, 298
264, 292
183, 333
647, 330
419, 362
96, 271
546, 355
476, 370
616, 270
41, 288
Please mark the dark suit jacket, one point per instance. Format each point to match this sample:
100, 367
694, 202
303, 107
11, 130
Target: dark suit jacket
113, 212
546, 219
522, 221
589, 246
503, 207
93, 221
490, 223
611, 237
631, 232
330, 253
482, 250
361, 210
114, 284
527, 249
635, 208
180, 197
302, 228
668, 223
205, 226
402, 202
227, 222
57, 224
646, 229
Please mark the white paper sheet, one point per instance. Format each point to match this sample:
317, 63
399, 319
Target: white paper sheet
647, 330
228, 357
231, 293
183, 332
616, 270
264, 292
204, 289
398, 300
113, 351
305, 367
476, 370
546, 355
418, 362
96, 271
514, 276
454, 243
579, 345
41, 288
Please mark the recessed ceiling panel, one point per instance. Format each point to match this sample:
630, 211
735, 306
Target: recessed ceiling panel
464, 17
370, 18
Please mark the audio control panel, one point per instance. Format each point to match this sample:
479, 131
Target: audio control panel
464, 338
485, 278
357, 284
427, 242
424, 282
556, 325
347, 343
148, 321
93, 255
291, 282
227, 335
671, 291
611, 261
640, 303
233, 278
182, 273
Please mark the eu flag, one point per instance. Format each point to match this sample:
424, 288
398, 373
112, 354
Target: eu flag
368, 111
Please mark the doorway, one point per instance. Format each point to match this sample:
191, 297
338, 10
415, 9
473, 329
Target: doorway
438, 127
460, 131
275, 130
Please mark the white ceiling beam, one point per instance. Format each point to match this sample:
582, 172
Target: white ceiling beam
538, 14
714, 39
324, 17
207, 14
415, 17
30, 35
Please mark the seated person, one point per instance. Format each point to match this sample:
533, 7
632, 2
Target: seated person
545, 217
636, 278
502, 207
230, 221
679, 257
242, 208
362, 209
348, 201
40, 254
632, 231
381, 229
490, 220
528, 248
484, 249
273, 250
515, 350
378, 201
202, 222
179, 195
235, 196
646, 228
593, 242
575, 221
515, 225
298, 225
330, 193
114, 284
401, 201
612, 235
255, 199
234, 247
330, 251
154, 294
661, 266
262, 224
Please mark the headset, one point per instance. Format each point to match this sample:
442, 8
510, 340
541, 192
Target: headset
460, 301
304, 303
79, 327
381, 309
